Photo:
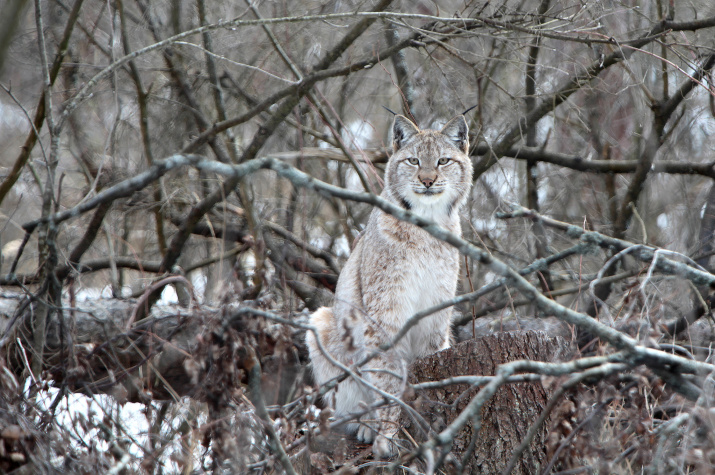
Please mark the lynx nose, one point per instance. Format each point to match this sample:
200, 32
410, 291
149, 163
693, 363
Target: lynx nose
427, 181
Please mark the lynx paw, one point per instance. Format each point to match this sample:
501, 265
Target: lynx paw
384, 447
366, 434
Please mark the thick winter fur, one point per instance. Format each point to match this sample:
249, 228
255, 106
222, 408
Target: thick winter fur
396, 270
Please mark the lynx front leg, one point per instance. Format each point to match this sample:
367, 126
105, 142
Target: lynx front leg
380, 426
386, 443
350, 395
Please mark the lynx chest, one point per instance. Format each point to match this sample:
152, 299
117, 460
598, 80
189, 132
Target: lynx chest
416, 272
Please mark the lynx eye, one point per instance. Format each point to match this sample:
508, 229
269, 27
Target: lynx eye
413, 161
443, 161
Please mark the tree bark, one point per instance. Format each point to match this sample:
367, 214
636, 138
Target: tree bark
506, 418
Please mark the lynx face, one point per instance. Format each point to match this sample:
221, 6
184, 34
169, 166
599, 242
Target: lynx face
430, 172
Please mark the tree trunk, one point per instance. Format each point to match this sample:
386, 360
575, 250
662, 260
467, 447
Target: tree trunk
506, 418
175, 352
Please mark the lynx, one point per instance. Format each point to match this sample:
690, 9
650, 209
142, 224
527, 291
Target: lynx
396, 270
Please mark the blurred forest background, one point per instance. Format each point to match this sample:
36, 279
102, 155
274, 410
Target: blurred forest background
161, 248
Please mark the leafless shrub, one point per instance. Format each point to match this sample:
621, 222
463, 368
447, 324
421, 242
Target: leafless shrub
181, 182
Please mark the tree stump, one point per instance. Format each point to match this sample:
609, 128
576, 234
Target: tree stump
507, 416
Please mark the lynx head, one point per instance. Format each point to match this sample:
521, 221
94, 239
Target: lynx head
430, 172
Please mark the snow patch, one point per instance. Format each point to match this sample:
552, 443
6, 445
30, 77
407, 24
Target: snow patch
168, 296
663, 221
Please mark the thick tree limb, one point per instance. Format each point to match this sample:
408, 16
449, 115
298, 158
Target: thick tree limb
638, 354
643, 253
538, 154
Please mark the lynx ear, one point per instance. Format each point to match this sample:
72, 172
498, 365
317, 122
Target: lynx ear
458, 132
402, 130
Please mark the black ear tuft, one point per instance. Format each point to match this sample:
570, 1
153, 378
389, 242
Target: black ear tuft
458, 132
402, 130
